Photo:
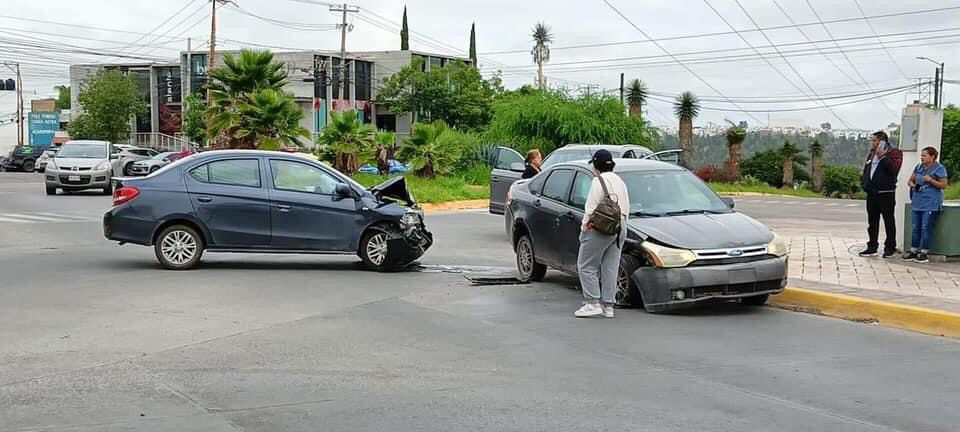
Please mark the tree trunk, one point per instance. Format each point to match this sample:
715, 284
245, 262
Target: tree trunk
817, 174
685, 136
733, 160
635, 111
383, 163
540, 75
788, 172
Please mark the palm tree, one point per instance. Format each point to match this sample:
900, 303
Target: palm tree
735, 137
687, 108
816, 162
789, 152
541, 51
346, 138
382, 150
233, 84
636, 97
432, 148
269, 120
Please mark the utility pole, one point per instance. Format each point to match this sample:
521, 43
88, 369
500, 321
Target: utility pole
621, 88
19, 107
343, 49
211, 63
185, 95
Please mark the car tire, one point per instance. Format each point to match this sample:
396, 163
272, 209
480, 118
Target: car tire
126, 168
51, 190
178, 247
154, 169
28, 166
109, 189
627, 292
528, 269
374, 250
759, 300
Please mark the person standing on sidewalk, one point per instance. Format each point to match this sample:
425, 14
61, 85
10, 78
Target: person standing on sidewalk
879, 181
531, 164
602, 235
927, 183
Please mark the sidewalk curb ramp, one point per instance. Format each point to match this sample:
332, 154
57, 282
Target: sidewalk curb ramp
901, 316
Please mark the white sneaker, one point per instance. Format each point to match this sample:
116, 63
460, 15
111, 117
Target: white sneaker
588, 310
607, 310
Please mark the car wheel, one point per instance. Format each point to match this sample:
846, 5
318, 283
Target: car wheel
51, 190
109, 189
759, 300
28, 165
627, 292
179, 247
374, 250
527, 265
154, 169
126, 168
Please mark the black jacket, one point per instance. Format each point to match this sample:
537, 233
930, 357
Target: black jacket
529, 171
884, 180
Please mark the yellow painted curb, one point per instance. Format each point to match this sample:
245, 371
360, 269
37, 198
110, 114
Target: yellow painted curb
907, 317
454, 205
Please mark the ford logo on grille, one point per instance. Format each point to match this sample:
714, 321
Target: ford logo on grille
735, 252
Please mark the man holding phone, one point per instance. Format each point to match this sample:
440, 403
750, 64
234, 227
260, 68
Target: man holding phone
879, 181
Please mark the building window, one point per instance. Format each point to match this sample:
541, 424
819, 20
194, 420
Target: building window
337, 84
362, 80
435, 63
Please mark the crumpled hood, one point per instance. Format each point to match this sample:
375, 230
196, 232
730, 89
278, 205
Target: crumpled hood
704, 231
77, 162
394, 189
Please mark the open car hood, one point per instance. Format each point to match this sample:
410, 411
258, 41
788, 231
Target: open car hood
394, 189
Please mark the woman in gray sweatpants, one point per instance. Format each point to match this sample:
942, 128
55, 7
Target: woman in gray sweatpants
598, 261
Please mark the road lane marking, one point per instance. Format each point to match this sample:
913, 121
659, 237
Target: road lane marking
47, 217
32, 217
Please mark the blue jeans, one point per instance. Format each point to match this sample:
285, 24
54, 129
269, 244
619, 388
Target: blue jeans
923, 230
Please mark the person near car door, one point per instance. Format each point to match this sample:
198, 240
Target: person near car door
532, 164
598, 261
879, 181
927, 183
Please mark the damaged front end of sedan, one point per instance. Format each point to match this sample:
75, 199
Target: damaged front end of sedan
398, 244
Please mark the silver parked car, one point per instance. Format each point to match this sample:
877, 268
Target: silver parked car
80, 165
45, 158
147, 166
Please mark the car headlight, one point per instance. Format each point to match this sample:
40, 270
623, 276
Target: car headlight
52, 164
667, 257
410, 218
103, 166
777, 246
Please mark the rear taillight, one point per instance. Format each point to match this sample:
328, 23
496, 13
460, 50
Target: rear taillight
125, 194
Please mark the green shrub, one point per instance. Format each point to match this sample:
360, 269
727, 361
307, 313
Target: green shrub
750, 181
841, 180
952, 192
475, 175
767, 166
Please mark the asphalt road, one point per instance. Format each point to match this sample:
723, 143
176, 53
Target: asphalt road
96, 337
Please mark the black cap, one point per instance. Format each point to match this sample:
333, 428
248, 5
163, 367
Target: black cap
602, 159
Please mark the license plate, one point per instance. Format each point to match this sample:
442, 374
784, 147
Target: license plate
73, 178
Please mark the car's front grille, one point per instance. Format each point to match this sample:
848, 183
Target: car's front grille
718, 254
66, 168
734, 289
722, 261
84, 179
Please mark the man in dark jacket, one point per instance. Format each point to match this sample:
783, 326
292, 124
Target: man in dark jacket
879, 181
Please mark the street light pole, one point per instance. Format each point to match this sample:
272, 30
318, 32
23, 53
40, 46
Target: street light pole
938, 82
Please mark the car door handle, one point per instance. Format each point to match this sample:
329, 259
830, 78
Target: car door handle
536, 203
204, 199
283, 207
571, 215
494, 178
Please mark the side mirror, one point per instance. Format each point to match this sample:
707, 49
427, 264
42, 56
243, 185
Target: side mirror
728, 201
115, 156
518, 167
344, 191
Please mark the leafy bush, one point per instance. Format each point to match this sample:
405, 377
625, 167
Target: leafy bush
750, 181
433, 148
714, 173
841, 180
767, 166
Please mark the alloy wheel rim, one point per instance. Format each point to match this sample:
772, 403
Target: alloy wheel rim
623, 286
525, 258
178, 247
377, 248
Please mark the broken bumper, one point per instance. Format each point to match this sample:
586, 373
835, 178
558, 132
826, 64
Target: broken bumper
408, 244
709, 283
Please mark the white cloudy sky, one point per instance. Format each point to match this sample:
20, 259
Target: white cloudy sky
502, 25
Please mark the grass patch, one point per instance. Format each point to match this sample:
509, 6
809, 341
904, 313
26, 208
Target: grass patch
440, 189
763, 189
952, 193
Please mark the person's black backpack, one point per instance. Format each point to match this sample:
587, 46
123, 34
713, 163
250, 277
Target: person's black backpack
606, 218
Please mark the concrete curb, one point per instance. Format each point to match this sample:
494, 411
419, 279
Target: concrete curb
454, 206
906, 317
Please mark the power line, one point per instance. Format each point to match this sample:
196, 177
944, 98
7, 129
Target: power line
794, 69
691, 71
194, 13
151, 32
73, 26
874, 31
804, 34
287, 24
727, 33
891, 93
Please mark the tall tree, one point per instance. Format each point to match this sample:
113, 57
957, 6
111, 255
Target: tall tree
735, 137
541, 50
473, 44
194, 122
268, 119
346, 138
432, 149
404, 32
63, 97
816, 165
108, 103
789, 152
236, 84
687, 108
636, 97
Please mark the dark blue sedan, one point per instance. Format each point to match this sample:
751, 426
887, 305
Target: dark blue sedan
265, 202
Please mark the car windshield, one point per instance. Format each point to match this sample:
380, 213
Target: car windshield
666, 193
561, 156
83, 151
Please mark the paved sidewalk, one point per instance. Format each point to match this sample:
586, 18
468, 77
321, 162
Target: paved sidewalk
829, 263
